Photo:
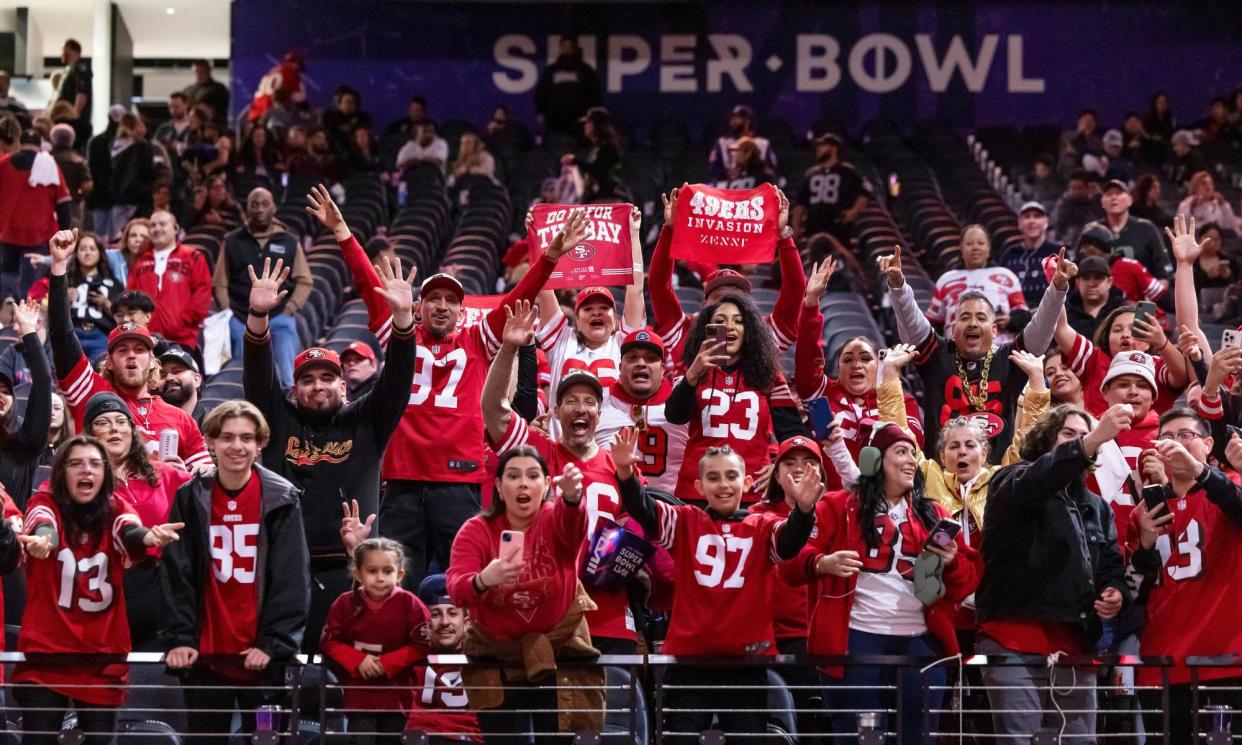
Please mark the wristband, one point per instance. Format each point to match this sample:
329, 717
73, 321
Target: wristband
258, 314
478, 583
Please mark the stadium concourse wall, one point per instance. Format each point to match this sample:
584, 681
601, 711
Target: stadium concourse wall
973, 63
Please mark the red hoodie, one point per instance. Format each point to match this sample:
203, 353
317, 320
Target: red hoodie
182, 295
832, 598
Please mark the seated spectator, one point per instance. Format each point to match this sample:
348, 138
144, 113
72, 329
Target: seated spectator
741, 124
207, 91
1159, 122
1184, 617
1208, 206
1139, 147
258, 154
1048, 538
1075, 208
177, 278
1130, 276
1115, 164
473, 158
294, 145
345, 116
161, 197
567, 89
832, 195
78, 520
1082, 141
748, 169
135, 239
1186, 159
415, 114
34, 201
1146, 194
424, 146
601, 170
316, 160
1026, 259
222, 613
1132, 237
92, 288
999, 285
363, 156
214, 205
261, 239
75, 170
182, 382
1214, 267
1042, 184
9, 104
1215, 135
1094, 296
495, 589
284, 115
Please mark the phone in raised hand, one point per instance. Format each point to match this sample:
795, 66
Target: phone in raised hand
511, 542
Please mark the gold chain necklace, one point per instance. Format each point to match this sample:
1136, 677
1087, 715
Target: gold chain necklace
978, 401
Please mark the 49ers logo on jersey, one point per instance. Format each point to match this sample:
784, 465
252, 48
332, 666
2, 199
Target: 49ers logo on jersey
1001, 279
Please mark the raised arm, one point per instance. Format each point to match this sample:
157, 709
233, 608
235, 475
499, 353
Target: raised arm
810, 381
519, 331
30, 439
531, 285
398, 372
1038, 334
66, 349
634, 498
664, 303
258, 368
912, 326
793, 278
320, 206
634, 314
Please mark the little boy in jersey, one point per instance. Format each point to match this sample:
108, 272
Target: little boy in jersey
724, 557
237, 583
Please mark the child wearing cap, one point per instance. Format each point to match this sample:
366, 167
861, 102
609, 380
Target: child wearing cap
441, 708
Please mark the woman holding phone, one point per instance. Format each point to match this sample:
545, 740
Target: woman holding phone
514, 566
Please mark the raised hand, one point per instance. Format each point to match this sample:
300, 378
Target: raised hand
783, 220
806, 492
353, 529
1152, 467
520, 321
570, 484
265, 292
1178, 462
636, 218
398, 291
1150, 331
37, 546
1224, 363
625, 448
898, 356
61, 248
890, 267
670, 205
1152, 523
26, 314
320, 206
1065, 271
571, 234
1185, 248
1113, 422
817, 281
1233, 452
1188, 344
1031, 364
161, 535
710, 357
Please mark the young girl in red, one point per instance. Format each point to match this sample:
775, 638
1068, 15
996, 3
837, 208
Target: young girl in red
79, 537
375, 633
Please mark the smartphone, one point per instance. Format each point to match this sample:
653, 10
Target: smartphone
822, 418
942, 533
718, 332
1230, 339
1153, 494
1145, 312
511, 542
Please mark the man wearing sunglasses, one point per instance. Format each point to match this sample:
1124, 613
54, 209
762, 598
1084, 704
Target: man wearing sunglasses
1189, 528
636, 399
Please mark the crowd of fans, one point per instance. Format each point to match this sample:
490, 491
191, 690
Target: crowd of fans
1041, 463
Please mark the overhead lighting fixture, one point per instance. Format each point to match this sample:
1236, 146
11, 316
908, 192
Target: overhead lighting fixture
170, 11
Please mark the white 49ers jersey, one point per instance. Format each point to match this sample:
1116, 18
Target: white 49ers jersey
662, 444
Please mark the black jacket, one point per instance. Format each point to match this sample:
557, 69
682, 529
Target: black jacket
331, 457
1049, 545
282, 567
1082, 321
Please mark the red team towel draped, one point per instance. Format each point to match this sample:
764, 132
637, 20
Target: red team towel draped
725, 226
603, 257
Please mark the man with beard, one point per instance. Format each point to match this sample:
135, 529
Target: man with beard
182, 381
259, 238
720, 162
566, 89
636, 399
965, 375
433, 471
832, 194
326, 446
129, 368
441, 704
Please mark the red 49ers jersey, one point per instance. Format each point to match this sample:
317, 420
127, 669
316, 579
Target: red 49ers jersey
602, 496
1192, 610
75, 603
441, 708
440, 438
732, 413
723, 573
1090, 364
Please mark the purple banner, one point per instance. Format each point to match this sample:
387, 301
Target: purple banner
972, 63
613, 554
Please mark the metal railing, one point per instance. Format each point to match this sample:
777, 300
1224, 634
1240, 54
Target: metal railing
650, 698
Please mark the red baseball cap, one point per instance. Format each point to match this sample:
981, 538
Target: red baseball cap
360, 348
316, 357
130, 330
726, 278
643, 338
442, 281
799, 442
590, 293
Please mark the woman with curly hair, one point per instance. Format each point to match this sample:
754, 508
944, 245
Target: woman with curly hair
882, 588
733, 392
